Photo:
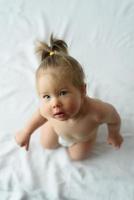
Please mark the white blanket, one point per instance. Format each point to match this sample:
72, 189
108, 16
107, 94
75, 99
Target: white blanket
100, 34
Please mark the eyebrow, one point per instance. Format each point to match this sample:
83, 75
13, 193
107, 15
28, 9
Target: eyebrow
43, 92
65, 88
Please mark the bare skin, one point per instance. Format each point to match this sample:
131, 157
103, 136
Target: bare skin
83, 130
67, 111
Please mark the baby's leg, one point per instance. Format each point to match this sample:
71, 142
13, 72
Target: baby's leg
80, 151
49, 138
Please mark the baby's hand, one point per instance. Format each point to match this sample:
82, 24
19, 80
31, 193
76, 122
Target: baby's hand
23, 139
115, 140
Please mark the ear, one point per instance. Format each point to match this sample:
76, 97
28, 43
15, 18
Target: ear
83, 89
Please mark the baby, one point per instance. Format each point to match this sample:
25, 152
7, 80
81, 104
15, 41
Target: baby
66, 115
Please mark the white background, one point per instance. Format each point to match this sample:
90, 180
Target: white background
100, 35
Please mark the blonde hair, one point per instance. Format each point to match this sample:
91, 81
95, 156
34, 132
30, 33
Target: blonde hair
55, 56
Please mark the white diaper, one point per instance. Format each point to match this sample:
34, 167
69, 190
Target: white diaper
65, 143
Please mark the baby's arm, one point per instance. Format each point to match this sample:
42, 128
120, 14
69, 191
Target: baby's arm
111, 117
23, 136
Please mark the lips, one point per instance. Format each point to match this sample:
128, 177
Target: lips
59, 114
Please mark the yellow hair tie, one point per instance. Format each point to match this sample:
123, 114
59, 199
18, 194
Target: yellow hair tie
51, 53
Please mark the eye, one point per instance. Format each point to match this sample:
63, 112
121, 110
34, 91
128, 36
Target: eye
63, 93
47, 97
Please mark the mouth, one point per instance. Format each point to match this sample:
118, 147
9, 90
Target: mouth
59, 114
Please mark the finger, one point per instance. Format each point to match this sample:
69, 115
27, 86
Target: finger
117, 146
27, 146
120, 145
110, 143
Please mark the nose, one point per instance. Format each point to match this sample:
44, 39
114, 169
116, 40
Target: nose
56, 103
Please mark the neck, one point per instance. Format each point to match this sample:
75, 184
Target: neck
83, 109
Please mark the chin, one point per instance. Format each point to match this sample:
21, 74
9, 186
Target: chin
61, 118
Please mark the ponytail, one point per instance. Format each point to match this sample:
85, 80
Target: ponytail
56, 47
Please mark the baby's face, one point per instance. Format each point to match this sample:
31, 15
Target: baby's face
59, 99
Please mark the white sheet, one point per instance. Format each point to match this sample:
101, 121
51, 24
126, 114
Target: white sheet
100, 34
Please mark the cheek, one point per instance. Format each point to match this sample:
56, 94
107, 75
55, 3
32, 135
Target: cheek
73, 105
44, 109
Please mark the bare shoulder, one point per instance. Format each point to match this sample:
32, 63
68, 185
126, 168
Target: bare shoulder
103, 111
